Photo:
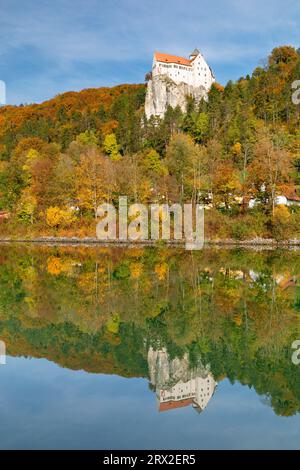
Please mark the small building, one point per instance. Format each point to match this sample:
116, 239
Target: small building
288, 199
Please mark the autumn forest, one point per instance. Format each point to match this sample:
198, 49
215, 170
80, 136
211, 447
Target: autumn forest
60, 159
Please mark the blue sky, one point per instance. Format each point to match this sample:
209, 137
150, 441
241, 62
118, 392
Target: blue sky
48, 47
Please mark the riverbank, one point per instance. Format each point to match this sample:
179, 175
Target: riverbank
265, 243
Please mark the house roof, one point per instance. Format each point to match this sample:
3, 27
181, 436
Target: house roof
292, 197
291, 282
171, 59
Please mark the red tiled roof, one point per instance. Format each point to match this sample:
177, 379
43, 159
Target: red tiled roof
173, 59
289, 281
290, 193
171, 405
292, 197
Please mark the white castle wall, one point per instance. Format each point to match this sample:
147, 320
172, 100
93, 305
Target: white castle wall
197, 74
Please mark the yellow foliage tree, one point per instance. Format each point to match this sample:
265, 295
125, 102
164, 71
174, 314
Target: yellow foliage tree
54, 266
237, 149
93, 180
282, 222
56, 217
53, 216
161, 270
136, 270
111, 147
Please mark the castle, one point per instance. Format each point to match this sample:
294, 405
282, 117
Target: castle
173, 78
193, 71
176, 384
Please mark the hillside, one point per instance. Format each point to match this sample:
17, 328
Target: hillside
241, 145
62, 118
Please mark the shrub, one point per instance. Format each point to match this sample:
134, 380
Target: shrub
240, 230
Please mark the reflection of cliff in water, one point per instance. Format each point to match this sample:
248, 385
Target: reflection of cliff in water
176, 384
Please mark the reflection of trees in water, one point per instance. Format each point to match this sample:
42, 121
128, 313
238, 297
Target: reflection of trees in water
101, 309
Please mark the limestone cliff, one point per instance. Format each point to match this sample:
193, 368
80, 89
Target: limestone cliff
162, 92
165, 372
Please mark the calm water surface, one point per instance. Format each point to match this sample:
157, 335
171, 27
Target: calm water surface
115, 348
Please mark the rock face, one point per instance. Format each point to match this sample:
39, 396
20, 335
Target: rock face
165, 372
176, 384
163, 92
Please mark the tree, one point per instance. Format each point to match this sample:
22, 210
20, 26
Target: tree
39, 171
62, 184
56, 217
179, 161
201, 128
226, 185
271, 166
88, 138
27, 205
131, 179
282, 225
153, 163
53, 216
94, 180
211, 158
111, 147
283, 54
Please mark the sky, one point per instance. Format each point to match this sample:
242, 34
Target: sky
49, 47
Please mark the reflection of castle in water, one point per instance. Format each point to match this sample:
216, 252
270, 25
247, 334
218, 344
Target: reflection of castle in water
176, 384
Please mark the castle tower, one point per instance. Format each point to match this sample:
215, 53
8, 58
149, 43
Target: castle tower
194, 54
